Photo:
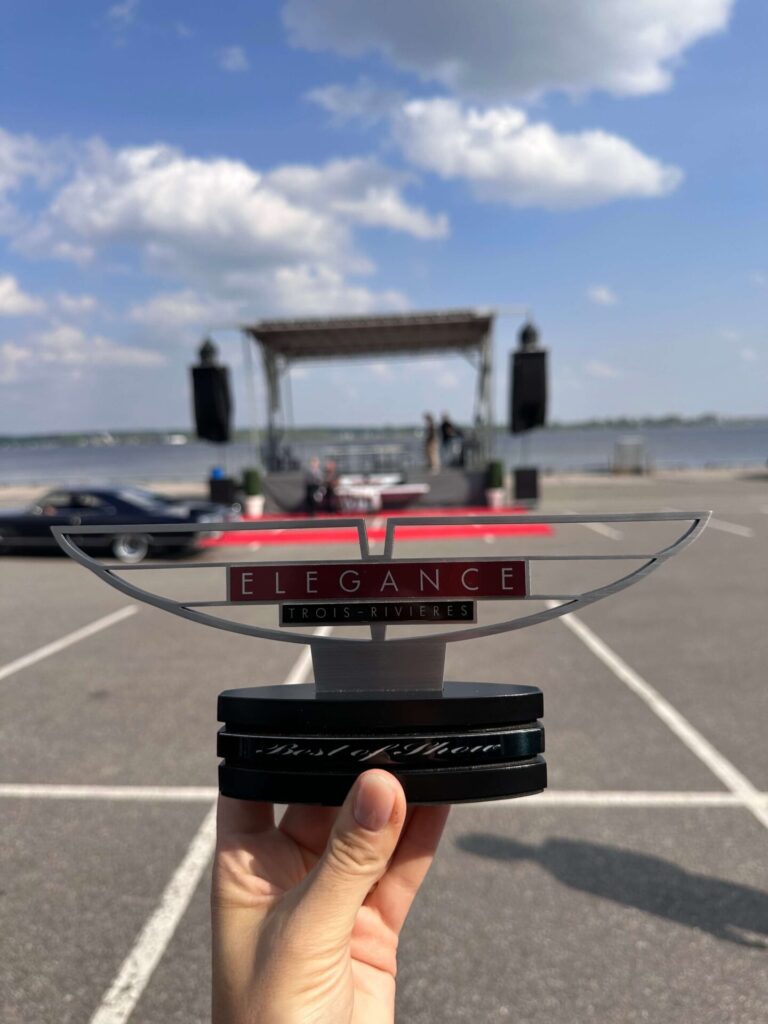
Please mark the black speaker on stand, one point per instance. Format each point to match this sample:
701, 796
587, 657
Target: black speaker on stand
527, 406
213, 413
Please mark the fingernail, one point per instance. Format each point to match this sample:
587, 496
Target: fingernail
374, 802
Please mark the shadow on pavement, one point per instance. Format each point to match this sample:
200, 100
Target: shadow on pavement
725, 910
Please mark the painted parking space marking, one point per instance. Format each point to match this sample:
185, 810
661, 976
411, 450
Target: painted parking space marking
549, 798
735, 528
720, 766
147, 794
724, 526
67, 641
130, 981
303, 664
120, 999
630, 798
603, 529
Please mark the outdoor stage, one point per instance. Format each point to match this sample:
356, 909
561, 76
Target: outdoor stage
635, 888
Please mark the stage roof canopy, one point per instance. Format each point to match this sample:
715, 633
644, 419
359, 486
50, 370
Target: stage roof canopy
456, 330
467, 332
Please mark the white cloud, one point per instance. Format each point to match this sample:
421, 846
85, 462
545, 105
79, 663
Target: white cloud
183, 213
360, 190
187, 308
602, 295
383, 371
509, 159
602, 371
12, 356
123, 13
67, 345
76, 305
21, 157
745, 353
190, 215
759, 279
239, 243
237, 240
501, 49
364, 101
440, 373
233, 58
447, 380
14, 301
305, 289
322, 290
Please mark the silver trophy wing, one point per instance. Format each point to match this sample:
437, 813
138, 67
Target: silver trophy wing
642, 564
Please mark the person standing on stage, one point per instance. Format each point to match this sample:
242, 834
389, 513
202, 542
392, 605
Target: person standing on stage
452, 442
431, 448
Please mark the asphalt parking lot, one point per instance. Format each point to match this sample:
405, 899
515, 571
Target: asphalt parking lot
634, 890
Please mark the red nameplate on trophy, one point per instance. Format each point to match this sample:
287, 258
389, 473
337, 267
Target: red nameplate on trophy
365, 581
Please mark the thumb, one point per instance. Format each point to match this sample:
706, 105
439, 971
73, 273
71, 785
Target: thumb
359, 848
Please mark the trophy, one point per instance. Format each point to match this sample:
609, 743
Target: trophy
378, 625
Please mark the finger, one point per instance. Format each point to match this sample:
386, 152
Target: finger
309, 826
412, 860
362, 840
242, 817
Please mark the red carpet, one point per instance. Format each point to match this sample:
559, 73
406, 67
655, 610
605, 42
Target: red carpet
376, 529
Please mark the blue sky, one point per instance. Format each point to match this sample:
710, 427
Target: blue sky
165, 168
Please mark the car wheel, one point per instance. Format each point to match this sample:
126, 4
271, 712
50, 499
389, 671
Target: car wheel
130, 547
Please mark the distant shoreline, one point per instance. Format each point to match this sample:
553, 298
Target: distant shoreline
137, 437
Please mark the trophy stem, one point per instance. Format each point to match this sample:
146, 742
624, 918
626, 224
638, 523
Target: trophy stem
347, 666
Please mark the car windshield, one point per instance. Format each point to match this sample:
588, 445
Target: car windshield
53, 500
138, 496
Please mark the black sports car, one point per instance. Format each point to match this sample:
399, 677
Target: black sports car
132, 507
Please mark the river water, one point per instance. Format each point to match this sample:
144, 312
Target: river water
591, 449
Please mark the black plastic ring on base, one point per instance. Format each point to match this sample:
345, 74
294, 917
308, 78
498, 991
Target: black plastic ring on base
445, 786
283, 709
470, 741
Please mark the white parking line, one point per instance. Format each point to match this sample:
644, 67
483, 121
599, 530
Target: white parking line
149, 794
300, 670
125, 991
723, 525
68, 640
602, 528
719, 765
605, 531
627, 798
734, 528
137, 968
550, 798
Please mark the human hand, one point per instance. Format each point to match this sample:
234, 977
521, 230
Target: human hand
307, 914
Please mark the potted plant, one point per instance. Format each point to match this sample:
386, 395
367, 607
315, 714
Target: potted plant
254, 499
494, 484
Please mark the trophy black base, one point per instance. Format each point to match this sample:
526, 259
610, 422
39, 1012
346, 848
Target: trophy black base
468, 742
